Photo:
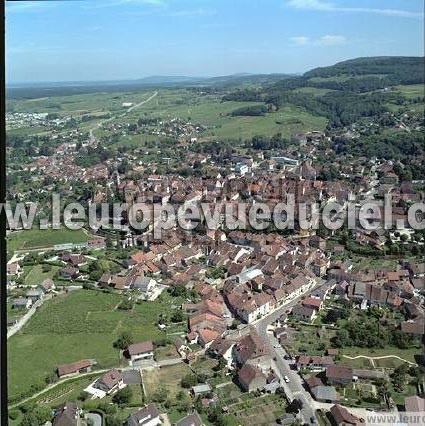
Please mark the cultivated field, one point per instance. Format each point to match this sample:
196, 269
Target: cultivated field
248, 409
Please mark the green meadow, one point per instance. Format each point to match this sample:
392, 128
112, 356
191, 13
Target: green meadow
78, 325
41, 238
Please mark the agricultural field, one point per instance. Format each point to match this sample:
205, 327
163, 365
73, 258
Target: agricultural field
209, 111
249, 409
43, 238
91, 103
81, 324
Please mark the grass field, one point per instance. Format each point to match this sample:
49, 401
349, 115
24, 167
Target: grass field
168, 377
407, 354
35, 238
26, 131
36, 275
81, 324
411, 91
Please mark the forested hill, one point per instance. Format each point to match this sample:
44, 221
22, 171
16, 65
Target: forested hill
397, 69
346, 92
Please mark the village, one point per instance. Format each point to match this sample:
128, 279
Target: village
276, 319
249, 302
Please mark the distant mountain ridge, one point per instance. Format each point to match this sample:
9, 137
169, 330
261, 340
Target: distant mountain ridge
390, 70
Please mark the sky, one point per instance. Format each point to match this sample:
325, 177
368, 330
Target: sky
94, 40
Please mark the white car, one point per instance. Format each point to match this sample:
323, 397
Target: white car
286, 378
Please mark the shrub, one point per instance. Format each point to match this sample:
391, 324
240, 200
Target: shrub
13, 414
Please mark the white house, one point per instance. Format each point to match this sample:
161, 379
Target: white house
140, 351
147, 416
109, 383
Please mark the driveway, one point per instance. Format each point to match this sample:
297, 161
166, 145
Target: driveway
132, 377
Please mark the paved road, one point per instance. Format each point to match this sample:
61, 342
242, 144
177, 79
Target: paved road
92, 138
141, 103
294, 388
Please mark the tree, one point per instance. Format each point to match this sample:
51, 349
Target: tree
36, 416
382, 387
46, 268
399, 377
189, 380
295, 406
95, 275
160, 395
51, 378
404, 238
123, 396
83, 395
126, 305
113, 421
215, 416
177, 291
109, 243
201, 377
13, 414
124, 340
416, 375
377, 313
183, 402
177, 316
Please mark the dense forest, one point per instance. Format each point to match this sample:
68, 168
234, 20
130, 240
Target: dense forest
397, 70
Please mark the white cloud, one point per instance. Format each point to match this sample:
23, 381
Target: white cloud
325, 6
326, 40
193, 12
331, 40
300, 40
26, 6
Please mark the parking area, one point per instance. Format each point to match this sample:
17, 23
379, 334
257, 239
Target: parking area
132, 377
